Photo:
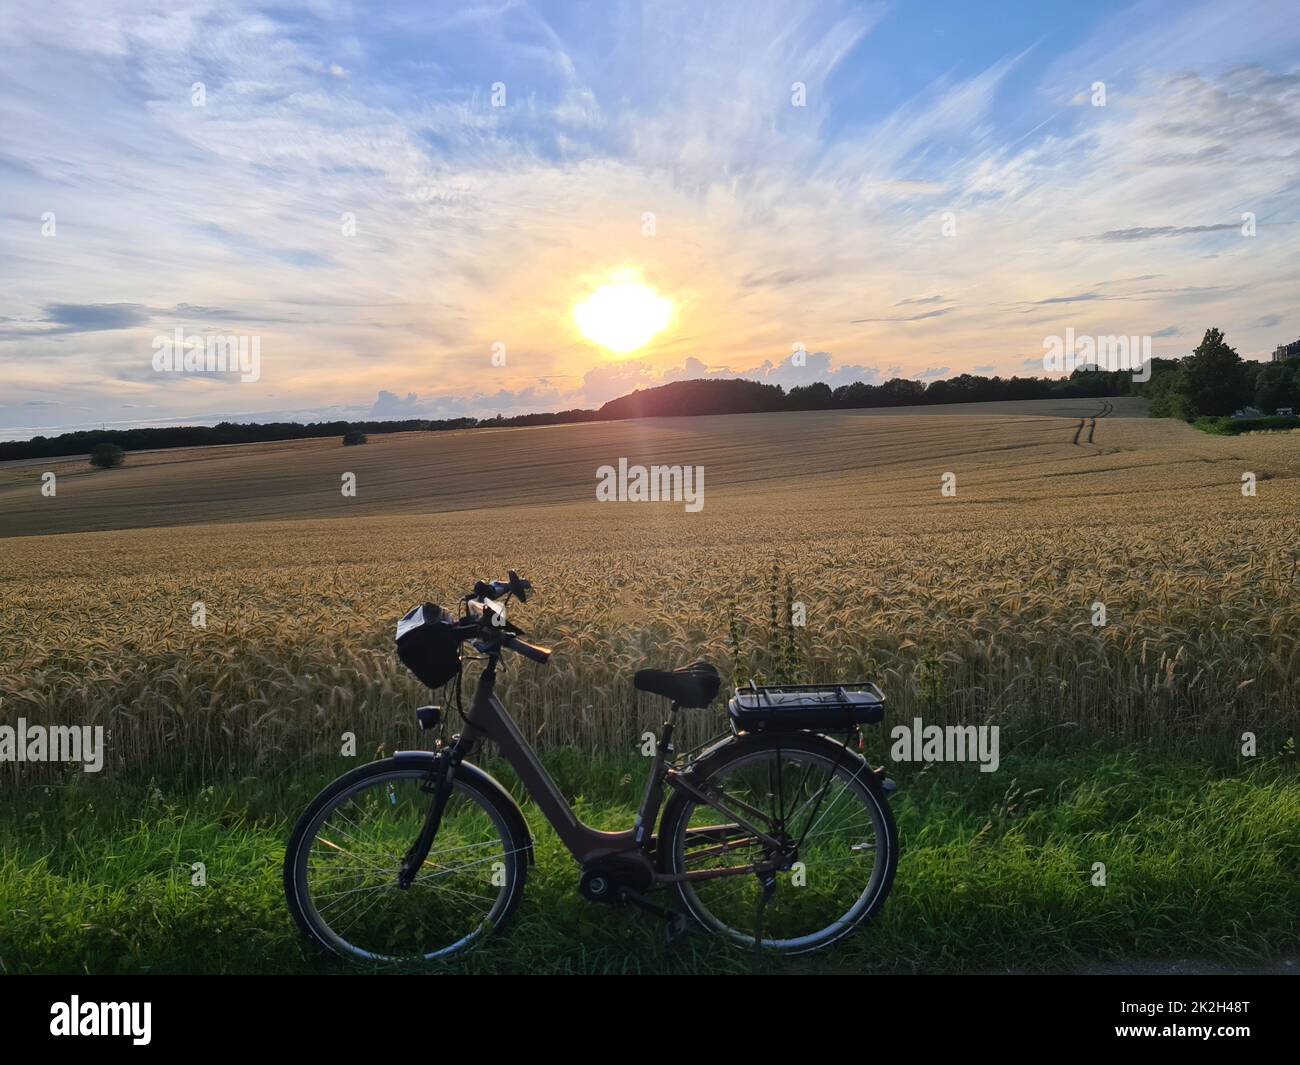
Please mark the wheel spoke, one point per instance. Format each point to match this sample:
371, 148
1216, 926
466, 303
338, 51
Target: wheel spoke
351, 896
830, 861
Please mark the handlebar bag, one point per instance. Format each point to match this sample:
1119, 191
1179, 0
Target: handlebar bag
429, 645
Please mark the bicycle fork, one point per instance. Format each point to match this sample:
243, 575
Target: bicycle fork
440, 780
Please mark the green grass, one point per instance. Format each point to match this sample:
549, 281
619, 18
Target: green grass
1202, 854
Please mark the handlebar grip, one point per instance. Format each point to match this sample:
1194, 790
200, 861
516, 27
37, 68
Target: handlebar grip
528, 650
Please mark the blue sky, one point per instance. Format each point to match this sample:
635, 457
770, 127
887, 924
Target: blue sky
478, 227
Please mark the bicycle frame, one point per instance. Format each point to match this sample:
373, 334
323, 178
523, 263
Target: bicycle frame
489, 718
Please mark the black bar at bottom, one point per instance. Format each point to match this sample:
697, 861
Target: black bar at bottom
236, 1014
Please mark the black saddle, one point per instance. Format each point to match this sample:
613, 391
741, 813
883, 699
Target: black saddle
690, 686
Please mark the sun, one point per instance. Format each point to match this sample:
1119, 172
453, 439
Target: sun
623, 315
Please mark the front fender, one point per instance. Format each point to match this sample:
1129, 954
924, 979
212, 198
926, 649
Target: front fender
487, 783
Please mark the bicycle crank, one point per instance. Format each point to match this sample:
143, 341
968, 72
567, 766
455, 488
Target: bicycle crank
608, 880
621, 880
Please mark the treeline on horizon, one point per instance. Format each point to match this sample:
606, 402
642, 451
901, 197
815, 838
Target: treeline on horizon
696, 397
1215, 382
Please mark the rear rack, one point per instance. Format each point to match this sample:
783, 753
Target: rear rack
818, 707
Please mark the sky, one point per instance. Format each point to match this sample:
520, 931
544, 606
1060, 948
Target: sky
403, 204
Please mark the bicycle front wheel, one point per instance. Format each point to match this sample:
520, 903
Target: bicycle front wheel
341, 867
829, 856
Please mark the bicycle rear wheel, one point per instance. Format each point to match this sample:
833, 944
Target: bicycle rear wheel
838, 844
341, 865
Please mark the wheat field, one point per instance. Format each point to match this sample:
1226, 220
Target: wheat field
974, 607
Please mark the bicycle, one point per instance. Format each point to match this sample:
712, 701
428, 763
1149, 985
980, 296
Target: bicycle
419, 856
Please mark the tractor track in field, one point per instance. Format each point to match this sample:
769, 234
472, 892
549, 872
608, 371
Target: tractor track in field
1089, 422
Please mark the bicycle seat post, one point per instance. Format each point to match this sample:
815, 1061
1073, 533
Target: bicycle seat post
654, 790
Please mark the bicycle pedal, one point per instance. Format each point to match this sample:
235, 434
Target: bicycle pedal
677, 926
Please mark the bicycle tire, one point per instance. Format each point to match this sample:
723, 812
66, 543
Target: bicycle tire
847, 766
472, 784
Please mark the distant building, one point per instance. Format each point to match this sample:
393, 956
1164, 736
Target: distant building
1287, 351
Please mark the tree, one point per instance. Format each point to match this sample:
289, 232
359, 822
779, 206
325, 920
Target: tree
1278, 385
816, 396
107, 455
1162, 393
353, 437
857, 394
1212, 380
700, 396
902, 392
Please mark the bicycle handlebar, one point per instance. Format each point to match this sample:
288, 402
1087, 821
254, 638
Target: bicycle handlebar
528, 650
514, 585
496, 634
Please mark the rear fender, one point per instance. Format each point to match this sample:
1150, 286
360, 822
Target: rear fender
836, 748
